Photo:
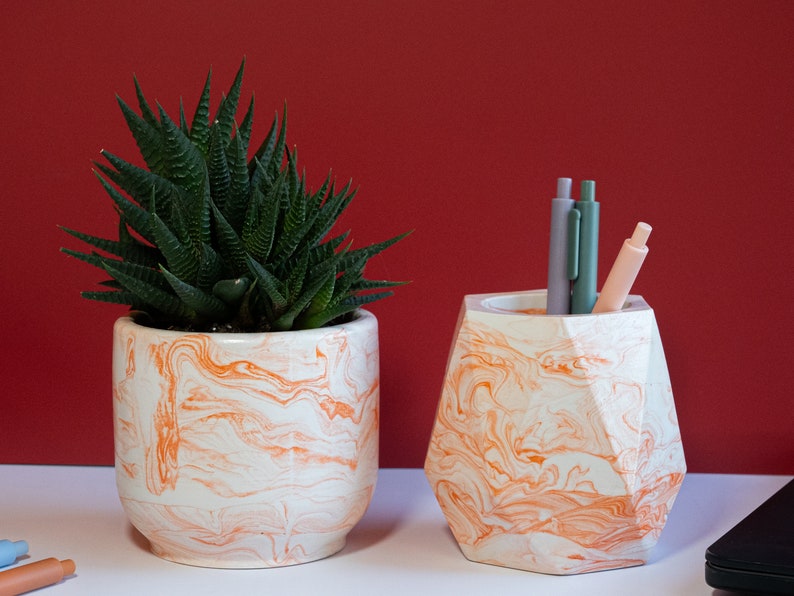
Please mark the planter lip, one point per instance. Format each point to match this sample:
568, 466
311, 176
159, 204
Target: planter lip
361, 318
532, 303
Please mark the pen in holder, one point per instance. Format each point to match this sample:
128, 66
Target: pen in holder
555, 446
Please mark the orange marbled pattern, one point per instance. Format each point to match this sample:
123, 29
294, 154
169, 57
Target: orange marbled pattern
556, 446
246, 450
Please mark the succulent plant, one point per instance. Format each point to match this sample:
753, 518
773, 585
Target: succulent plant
209, 240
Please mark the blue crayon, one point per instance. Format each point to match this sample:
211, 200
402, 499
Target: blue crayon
11, 551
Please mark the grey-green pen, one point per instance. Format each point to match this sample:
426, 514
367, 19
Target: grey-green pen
583, 249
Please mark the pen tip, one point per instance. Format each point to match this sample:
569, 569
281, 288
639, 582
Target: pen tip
563, 188
588, 190
640, 236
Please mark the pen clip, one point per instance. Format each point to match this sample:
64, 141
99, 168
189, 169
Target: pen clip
574, 219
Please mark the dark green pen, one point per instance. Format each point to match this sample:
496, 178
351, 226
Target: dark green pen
583, 250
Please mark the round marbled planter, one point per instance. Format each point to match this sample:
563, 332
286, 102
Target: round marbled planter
246, 450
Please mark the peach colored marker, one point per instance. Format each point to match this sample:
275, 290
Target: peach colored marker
624, 271
34, 575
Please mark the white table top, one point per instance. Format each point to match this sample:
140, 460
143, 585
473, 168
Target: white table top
401, 546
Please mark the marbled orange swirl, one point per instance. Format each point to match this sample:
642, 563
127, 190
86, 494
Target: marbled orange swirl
246, 450
555, 446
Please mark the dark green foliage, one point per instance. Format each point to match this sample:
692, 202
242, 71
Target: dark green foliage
210, 240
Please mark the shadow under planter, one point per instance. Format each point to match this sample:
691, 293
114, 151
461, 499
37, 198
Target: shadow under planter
556, 446
246, 450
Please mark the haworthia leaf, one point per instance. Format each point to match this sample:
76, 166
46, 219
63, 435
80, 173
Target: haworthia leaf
230, 246
370, 251
114, 297
109, 246
231, 290
92, 258
264, 153
146, 135
331, 314
364, 285
137, 217
323, 296
268, 284
260, 228
183, 162
203, 303
297, 274
148, 115
239, 188
148, 294
183, 119
228, 108
275, 160
244, 132
211, 268
183, 260
200, 126
218, 168
328, 215
137, 182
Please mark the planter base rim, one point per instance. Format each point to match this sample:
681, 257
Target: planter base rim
233, 563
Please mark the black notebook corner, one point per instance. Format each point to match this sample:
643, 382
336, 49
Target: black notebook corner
757, 555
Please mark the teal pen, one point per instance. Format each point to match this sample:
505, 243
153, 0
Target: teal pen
583, 250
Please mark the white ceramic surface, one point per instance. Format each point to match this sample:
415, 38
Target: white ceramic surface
246, 450
555, 446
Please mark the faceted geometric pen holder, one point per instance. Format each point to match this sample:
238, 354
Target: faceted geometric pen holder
555, 446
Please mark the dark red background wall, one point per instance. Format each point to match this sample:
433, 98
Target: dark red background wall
454, 119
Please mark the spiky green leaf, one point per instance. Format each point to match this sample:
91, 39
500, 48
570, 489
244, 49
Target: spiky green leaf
153, 296
114, 297
146, 111
200, 126
137, 182
370, 251
147, 136
239, 195
264, 153
259, 230
211, 268
204, 304
328, 214
229, 244
183, 259
364, 285
183, 162
128, 270
218, 168
269, 285
92, 258
113, 247
183, 119
228, 108
137, 217
246, 126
